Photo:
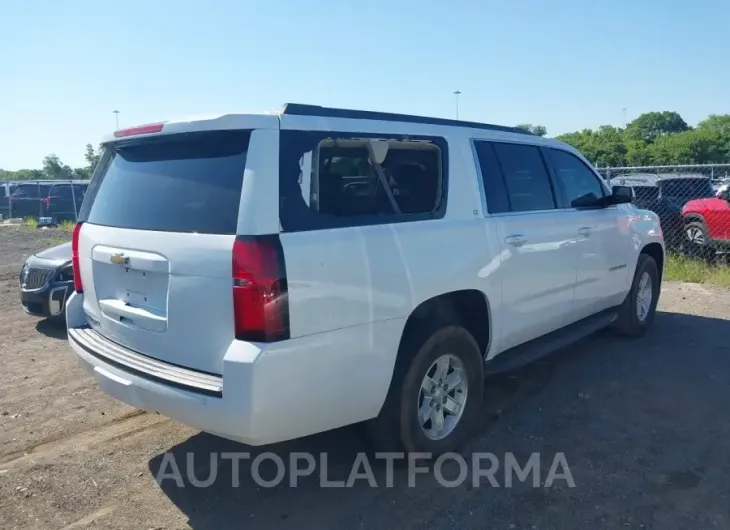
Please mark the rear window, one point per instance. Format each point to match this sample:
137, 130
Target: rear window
177, 183
688, 188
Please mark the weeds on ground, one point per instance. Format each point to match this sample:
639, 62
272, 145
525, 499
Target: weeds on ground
685, 269
32, 222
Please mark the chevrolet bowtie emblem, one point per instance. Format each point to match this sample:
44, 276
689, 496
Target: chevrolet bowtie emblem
119, 259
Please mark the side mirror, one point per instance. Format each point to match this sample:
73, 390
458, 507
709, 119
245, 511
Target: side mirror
621, 195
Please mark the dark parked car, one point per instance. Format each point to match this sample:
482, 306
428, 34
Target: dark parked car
46, 280
6, 190
59, 201
666, 195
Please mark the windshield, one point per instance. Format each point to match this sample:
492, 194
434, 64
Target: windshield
175, 183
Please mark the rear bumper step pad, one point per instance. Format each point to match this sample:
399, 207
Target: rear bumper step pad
105, 350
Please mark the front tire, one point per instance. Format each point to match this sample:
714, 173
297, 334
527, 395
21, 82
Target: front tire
697, 241
637, 312
435, 396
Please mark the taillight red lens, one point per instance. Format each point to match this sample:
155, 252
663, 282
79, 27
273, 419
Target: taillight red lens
47, 201
75, 258
260, 291
141, 129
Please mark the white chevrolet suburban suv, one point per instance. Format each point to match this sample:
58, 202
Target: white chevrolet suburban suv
263, 277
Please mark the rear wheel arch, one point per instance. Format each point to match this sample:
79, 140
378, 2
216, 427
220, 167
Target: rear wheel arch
469, 308
458, 317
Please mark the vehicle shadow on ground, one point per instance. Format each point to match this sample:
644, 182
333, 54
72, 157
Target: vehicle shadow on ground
51, 328
237, 495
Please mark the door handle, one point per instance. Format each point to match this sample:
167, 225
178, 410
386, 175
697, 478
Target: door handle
516, 240
585, 231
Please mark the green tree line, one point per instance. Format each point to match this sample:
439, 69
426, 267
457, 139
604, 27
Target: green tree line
652, 139
52, 168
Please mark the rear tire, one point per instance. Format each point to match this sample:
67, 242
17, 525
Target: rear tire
637, 312
414, 408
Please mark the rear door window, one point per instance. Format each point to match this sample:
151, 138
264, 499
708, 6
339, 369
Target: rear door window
526, 178
175, 183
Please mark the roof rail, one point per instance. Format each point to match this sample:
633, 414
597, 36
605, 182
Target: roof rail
300, 109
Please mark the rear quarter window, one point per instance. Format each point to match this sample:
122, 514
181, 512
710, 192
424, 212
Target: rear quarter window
331, 180
175, 183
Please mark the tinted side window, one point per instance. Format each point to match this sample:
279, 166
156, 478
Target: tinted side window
331, 181
494, 187
61, 190
687, 188
526, 178
31, 191
79, 191
580, 185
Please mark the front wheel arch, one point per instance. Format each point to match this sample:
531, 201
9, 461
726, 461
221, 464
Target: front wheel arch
691, 217
656, 252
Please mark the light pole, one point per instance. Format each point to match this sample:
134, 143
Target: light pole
457, 93
116, 115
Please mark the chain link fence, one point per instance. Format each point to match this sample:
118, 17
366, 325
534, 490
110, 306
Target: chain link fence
46, 201
691, 201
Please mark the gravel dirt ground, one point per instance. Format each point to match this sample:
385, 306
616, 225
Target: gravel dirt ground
639, 421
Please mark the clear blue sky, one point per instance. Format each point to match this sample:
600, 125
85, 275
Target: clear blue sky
566, 64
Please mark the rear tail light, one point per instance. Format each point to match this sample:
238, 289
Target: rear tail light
260, 291
78, 287
47, 201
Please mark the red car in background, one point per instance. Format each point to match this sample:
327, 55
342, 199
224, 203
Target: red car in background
707, 224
